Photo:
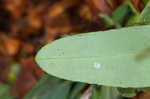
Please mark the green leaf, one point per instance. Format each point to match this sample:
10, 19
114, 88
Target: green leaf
50, 88
146, 1
107, 19
110, 93
132, 20
76, 91
133, 9
4, 92
143, 89
120, 13
14, 71
96, 93
111, 58
145, 15
127, 92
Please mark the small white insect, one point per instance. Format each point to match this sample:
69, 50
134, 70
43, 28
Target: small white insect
97, 65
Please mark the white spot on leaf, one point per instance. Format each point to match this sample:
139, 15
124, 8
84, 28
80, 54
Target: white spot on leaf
97, 65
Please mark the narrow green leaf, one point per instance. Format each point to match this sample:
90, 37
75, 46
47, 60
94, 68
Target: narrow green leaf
127, 92
145, 15
96, 93
143, 89
132, 20
110, 93
107, 19
110, 58
50, 88
120, 13
77, 90
133, 9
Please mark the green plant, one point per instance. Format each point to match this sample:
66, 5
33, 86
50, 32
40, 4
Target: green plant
116, 59
4, 92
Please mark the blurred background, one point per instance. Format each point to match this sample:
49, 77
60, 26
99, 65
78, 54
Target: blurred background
27, 25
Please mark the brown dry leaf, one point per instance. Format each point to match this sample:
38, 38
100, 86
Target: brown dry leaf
23, 30
100, 6
35, 17
121, 1
30, 73
138, 4
112, 3
85, 12
11, 45
144, 95
57, 26
15, 7
60, 7
26, 49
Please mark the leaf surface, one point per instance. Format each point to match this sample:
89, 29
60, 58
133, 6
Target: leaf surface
117, 58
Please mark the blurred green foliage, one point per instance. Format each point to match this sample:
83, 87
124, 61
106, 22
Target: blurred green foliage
4, 92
